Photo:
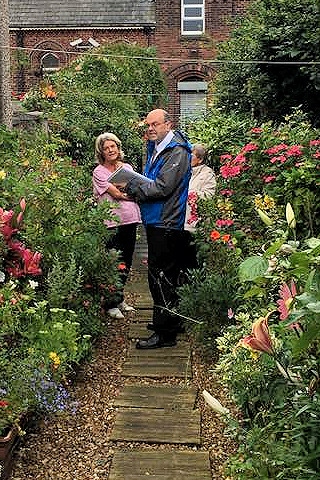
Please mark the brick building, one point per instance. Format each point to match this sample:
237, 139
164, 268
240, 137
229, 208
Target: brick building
50, 33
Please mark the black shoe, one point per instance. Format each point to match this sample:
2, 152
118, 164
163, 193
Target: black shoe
154, 341
181, 328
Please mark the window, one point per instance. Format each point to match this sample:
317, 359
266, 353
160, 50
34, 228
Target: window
192, 17
193, 100
50, 62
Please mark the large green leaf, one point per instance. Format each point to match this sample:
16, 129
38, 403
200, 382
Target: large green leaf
252, 268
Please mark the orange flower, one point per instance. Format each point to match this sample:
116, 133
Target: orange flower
122, 266
259, 340
215, 235
226, 237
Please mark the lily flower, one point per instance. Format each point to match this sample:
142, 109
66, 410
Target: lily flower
287, 295
260, 339
291, 220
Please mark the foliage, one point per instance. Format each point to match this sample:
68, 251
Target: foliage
275, 379
86, 98
271, 33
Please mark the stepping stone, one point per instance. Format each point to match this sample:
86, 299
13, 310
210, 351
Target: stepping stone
159, 362
169, 397
160, 465
151, 425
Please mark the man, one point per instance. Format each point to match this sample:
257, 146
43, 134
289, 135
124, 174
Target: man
163, 208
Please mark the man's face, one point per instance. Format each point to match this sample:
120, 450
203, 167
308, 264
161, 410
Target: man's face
157, 127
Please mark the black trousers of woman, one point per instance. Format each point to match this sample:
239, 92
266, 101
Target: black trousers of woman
164, 266
123, 240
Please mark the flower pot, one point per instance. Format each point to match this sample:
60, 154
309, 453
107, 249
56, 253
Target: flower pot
7, 446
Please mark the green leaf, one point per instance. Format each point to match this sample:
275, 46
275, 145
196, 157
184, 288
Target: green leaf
252, 268
255, 292
314, 307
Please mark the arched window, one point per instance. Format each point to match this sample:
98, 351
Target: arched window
193, 99
50, 63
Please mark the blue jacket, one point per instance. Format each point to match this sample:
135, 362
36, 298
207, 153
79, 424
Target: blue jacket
163, 200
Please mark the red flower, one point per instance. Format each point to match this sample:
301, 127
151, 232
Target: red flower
122, 266
256, 130
4, 403
226, 237
215, 235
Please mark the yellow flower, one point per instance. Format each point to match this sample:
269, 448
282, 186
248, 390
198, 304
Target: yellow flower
2, 174
55, 359
269, 202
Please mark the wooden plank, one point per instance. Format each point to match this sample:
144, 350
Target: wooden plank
170, 397
156, 426
160, 465
159, 362
181, 350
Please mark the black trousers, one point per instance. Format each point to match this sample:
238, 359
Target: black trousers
123, 240
164, 266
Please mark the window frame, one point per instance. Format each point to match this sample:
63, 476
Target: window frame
184, 17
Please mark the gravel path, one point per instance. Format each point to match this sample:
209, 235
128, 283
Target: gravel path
76, 447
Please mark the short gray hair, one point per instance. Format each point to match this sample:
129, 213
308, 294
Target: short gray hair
201, 151
100, 142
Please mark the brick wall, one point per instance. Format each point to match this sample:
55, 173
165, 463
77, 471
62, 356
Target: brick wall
181, 57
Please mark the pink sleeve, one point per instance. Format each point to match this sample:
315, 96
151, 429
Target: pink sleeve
100, 181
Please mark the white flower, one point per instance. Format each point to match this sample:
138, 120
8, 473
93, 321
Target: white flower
33, 284
2, 277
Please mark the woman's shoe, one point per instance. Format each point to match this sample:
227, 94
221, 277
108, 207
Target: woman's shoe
125, 307
115, 313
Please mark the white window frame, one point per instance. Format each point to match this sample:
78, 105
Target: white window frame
50, 69
185, 17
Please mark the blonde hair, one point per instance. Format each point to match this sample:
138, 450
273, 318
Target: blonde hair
103, 137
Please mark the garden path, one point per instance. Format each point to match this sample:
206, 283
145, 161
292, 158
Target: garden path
157, 405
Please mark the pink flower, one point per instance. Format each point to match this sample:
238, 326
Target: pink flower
256, 130
260, 339
250, 147
230, 313
269, 178
279, 158
294, 151
287, 295
314, 143
276, 149
228, 171
224, 222
226, 192
316, 155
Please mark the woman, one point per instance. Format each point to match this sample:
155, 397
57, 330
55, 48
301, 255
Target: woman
202, 185
110, 156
